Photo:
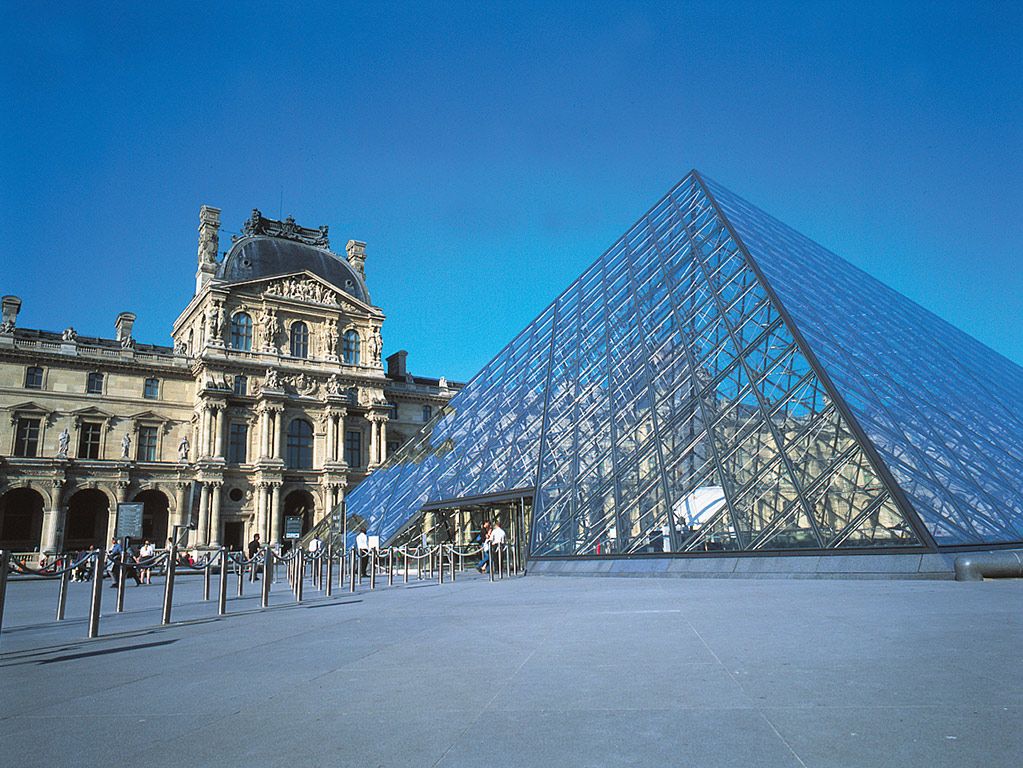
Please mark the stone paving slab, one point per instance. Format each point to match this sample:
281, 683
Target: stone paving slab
571, 671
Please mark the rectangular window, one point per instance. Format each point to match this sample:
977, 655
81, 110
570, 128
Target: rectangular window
33, 377
392, 412
237, 443
241, 385
26, 442
147, 444
94, 384
353, 448
88, 440
427, 412
151, 389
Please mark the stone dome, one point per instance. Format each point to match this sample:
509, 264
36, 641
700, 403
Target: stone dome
253, 257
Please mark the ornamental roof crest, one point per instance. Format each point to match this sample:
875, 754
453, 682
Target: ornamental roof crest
258, 224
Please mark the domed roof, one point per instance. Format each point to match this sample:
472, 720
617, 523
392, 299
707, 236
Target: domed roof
253, 257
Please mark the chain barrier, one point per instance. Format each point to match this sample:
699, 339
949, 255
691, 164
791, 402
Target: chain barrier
440, 561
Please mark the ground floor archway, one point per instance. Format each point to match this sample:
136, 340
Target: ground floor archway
88, 513
155, 516
21, 520
302, 504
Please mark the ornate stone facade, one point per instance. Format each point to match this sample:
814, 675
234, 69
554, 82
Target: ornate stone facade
272, 400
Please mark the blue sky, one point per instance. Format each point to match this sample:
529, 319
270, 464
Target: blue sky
488, 152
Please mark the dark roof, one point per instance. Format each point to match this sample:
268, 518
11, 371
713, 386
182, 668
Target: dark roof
251, 258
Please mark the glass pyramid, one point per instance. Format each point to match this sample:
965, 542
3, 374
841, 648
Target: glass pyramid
716, 381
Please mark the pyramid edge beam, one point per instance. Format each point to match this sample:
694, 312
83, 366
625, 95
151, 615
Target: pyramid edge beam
884, 473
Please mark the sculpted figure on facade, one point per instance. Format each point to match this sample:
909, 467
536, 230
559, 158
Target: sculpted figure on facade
333, 385
377, 345
69, 334
215, 321
63, 443
183, 449
330, 340
303, 290
125, 445
272, 380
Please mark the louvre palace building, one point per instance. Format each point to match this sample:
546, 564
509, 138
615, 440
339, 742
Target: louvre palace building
274, 400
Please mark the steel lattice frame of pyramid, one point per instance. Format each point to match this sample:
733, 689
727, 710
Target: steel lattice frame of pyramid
716, 381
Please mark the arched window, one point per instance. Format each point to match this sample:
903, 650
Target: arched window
299, 339
241, 332
350, 347
300, 444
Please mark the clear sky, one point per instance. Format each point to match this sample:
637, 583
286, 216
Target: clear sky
487, 153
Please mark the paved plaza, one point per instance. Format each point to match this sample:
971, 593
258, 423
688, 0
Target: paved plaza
535, 671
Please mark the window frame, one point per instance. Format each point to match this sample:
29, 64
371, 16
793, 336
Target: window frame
241, 331
236, 445
298, 337
22, 441
147, 394
92, 377
244, 385
295, 453
29, 370
353, 442
351, 343
150, 455
86, 428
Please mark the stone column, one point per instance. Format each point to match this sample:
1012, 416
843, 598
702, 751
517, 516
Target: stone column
261, 512
204, 515
204, 430
277, 436
383, 441
264, 438
215, 516
372, 442
53, 522
180, 504
330, 436
121, 494
275, 514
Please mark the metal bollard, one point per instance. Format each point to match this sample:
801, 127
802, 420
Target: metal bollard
352, 573
206, 578
330, 568
5, 563
373, 569
241, 576
405, 578
222, 596
440, 562
451, 559
301, 575
62, 594
122, 576
168, 587
490, 565
390, 566
97, 593
264, 599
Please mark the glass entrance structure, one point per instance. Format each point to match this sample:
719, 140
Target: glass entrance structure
717, 382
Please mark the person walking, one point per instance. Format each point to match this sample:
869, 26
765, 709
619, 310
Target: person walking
254, 547
362, 544
484, 539
497, 541
146, 555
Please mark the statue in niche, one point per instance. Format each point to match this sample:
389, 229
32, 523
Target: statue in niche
376, 344
69, 334
125, 445
330, 339
183, 448
215, 320
63, 443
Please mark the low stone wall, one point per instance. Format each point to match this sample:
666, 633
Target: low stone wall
893, 566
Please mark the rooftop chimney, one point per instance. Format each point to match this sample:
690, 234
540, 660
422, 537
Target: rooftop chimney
209, 242
357, 256
123, 325
11, 306
396, 368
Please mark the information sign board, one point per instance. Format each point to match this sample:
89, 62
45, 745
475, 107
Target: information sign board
129, 520
293, 527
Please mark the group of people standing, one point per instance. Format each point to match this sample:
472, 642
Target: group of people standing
491, 538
